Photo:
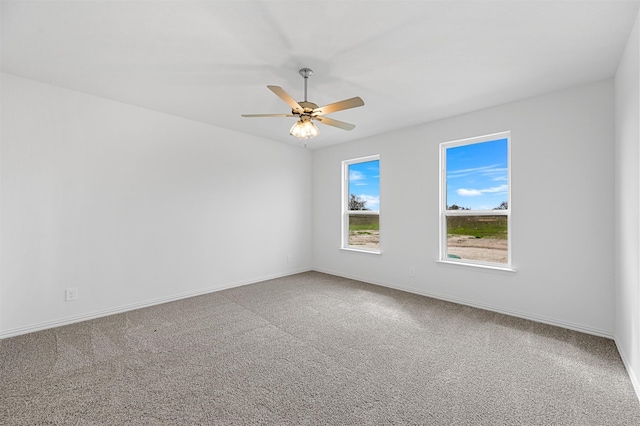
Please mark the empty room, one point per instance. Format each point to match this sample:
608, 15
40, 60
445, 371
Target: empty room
333, 213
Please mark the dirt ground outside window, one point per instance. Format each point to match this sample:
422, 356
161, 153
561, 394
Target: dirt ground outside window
494, 250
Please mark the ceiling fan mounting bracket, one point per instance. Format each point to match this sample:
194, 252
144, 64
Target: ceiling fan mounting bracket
305, 72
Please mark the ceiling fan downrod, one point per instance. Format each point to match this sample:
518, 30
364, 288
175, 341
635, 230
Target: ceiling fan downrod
305, 73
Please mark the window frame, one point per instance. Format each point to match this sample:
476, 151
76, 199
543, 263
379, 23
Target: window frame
344, 241
444, 213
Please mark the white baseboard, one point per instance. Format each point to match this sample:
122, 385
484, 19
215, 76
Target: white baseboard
92, 315
545, 320
635, 381
144, 304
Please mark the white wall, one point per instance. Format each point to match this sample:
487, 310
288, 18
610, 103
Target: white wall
562, 223
627, 161
135, 207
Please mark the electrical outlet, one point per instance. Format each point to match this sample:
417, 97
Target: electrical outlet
71, 294
412, 272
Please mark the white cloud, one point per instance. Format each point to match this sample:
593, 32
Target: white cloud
495, 171
466, 172
355, 175
475, 192
502, 188
372, 202
468, 192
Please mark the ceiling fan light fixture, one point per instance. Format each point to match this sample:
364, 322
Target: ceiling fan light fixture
304, 129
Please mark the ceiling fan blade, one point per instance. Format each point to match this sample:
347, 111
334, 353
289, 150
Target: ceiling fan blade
285, 97
339, 106
335, 123
268, 115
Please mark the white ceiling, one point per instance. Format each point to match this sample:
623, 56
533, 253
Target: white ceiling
410, 61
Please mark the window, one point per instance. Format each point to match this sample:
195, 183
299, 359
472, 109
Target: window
475, 201
361, 204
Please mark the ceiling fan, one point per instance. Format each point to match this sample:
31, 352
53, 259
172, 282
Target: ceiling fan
307, 112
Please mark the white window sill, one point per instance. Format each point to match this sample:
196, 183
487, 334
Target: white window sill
360, 250
477, 265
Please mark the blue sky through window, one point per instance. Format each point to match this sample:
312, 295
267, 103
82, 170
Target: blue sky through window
478, 175
364, 181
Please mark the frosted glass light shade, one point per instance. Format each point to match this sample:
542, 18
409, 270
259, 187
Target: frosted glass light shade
304, 129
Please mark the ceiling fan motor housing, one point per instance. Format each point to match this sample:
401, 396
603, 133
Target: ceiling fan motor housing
307, 106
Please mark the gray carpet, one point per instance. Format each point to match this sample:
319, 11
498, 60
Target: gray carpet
313, 349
